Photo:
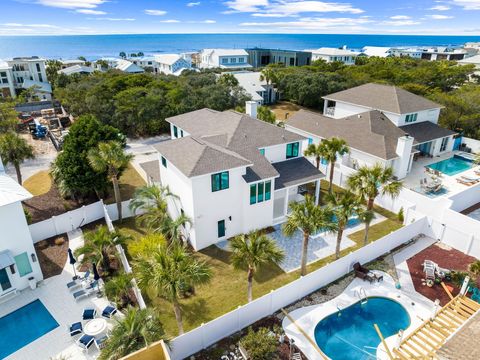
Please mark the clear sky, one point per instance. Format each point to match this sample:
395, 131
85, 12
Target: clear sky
429, 17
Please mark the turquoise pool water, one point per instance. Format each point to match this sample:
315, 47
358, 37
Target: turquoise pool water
350, 335
23, 326
453, 166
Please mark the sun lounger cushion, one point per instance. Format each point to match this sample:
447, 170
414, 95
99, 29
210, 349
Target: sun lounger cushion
79, 294
86, 341
72, 284
76, 328
109, 311
89, 314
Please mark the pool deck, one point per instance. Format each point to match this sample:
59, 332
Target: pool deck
54, 294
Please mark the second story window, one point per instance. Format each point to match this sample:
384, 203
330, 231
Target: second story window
411, 118
220, 181
260, 192
241, 60
175, 131
233, 60
3, 77
164, 162
262, 151
224, 61
292, 150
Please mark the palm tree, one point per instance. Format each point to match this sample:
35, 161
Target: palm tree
369, 182
308, 218
151, 201
172, 229
15, 150
137, 329
314, 151
168, 271
345, 205
98, 247
110, 157
252, 251
366, 217
329, 150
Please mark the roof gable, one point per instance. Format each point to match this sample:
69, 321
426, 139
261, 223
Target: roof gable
11, 191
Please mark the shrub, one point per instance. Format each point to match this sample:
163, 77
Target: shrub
145, 245
401, 216
260, 344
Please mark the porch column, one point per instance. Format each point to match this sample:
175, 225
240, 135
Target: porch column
317, 192
285, 209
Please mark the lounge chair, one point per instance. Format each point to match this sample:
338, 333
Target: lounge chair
464, 182
75, 329
84, 292
109, 311
85, 342
363, 273
100, 342
75, 284
89, 314
470, 178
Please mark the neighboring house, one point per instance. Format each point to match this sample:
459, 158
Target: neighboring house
333, 54
258, 57
379, 51
41, 89
224, 59
259, 90
76, 69
69, 63
381, 124
475, 60
19, 263
128, 67
19, 73
171, 64
231, 172
443, 53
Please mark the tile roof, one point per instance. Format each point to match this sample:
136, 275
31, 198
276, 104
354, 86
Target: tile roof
426, 131
11, 191
295, 172
384, 98
371, 132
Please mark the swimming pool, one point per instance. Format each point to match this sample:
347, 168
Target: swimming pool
452, 166
21, 327
349, 334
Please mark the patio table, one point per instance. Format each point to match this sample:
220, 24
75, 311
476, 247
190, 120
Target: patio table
95, 327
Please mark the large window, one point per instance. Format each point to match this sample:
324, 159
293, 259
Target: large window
292, 150
224, 60
443, 147
260, 192
221, 228
411, 118
253, 194
3, 77
23, 264
220, 181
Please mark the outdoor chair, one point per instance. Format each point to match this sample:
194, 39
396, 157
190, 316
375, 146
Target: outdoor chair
470, 178
89, 314
75, 329
75, 284
109, 311
85, 342
464, 182
363, 273
83, 293
100, 342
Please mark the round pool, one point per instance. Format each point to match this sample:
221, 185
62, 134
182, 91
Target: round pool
349, 333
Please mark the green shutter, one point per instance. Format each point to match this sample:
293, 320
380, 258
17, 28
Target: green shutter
253, 194
260, 192
268, 189
221, 228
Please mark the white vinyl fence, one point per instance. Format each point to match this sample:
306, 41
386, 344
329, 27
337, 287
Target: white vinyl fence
215, 330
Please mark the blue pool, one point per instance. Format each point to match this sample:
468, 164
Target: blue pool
23, 326
453, 166
350, 335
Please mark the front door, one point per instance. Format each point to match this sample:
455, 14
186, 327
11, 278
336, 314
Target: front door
4, 280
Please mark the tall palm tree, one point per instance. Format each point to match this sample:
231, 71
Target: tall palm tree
151, 202
345, 205
330, 149
369, 182
168, 271
314, 150
110, 157
252, 251
308, 218
99, 246
366, 217
137, 329
15, 150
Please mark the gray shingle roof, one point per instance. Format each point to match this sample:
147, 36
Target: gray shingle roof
194, 156
295, 172
426, 131
371, 132
152, 169
384, 98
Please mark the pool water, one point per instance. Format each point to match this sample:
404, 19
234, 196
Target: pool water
23, 326
452, 166
349, 334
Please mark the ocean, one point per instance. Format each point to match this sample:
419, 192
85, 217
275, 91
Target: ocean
95, 46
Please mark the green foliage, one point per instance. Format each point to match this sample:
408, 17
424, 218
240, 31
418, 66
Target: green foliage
28, 216
117, 289
260, 344
228, 79
401, 216
474, 268
146, 245
265, 114
71, 170
8, 115
136, 330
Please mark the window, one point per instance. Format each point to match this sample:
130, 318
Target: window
411, 118
164, 162
260, 192
262, 151
224, 61
4, 280
253, 194
292, 150
241, 60
3, 77
38, 67
292, 61
175, 131
443, 147
220, 181
181, 133
310, 141
23, 264
221, 228
268, 190
233, 60
40, 78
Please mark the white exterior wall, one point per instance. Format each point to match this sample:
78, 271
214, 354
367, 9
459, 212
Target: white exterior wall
172, 135
426, 115
10, 85
278, 153
435, 150
344, 110
15, 236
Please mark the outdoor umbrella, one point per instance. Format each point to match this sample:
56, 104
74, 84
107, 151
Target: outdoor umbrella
96, 275
72, 262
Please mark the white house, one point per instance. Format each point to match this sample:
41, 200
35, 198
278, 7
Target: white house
171, 64
22, 73
19, 265
71, 62
333, 54
76, 69
224, 58
128, 67
380, 51
381, 124
231, 172
259, 90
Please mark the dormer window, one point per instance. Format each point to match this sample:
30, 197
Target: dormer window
292, 150
410, 118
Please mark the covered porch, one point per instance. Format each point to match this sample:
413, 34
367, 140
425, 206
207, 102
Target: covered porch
298, 177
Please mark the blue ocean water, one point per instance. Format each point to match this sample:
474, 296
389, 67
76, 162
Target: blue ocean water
96, 46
